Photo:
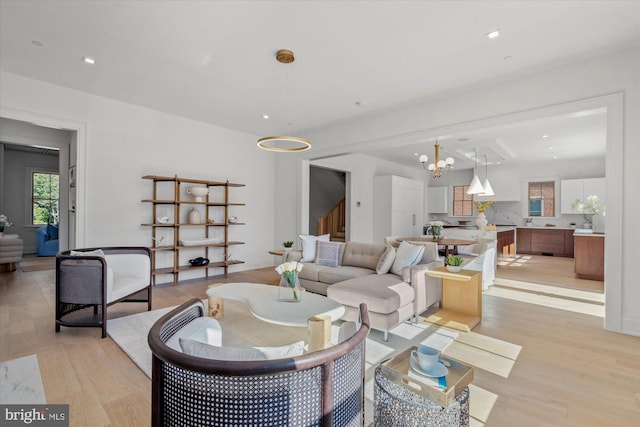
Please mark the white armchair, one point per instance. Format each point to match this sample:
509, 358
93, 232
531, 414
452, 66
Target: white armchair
99, 277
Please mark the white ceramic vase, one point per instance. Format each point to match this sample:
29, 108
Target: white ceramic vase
195, 217
481, 221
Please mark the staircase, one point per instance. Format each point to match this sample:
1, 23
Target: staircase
334, 222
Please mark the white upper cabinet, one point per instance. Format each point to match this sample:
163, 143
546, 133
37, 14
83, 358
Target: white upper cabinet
437, 199
572, 189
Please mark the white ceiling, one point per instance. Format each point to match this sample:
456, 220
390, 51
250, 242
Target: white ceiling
214, 60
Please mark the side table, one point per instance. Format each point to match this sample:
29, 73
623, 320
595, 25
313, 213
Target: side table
461, 299
401, 397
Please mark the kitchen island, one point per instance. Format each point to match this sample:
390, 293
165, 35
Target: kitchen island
589, 255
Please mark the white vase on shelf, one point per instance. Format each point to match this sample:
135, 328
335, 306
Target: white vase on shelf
195, 217
481, 221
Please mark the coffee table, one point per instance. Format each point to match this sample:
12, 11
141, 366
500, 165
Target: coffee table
263, 303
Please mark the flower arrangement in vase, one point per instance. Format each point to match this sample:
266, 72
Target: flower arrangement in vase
289, 288
481, 219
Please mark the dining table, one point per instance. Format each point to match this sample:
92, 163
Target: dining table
450, 245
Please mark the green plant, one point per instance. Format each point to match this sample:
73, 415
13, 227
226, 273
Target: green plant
454, 260
287, 244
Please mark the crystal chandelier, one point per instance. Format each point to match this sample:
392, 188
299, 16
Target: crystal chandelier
439, 166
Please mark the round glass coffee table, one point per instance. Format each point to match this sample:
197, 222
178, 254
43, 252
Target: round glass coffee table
263, 303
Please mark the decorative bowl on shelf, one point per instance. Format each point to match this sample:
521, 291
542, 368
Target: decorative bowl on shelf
198, 193
233, 219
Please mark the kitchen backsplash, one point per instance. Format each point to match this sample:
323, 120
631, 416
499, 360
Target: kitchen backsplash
510, 213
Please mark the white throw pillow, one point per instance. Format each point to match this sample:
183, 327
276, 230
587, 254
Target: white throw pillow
386, 260
406, 256
309, 246
328, 253
97, 252
199, 349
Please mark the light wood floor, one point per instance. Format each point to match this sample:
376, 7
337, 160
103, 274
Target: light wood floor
570, 371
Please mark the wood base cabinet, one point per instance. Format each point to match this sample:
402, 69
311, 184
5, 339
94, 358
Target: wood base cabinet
542, 241
589, 256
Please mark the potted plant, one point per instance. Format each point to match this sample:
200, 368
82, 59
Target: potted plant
287, 245
454, 263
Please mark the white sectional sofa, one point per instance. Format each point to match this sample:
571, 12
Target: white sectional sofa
374, 274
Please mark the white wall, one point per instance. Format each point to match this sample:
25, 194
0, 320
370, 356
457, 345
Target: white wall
617, 73
123, 142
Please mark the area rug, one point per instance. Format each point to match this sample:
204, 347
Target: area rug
20, 381
490, 354
130, 333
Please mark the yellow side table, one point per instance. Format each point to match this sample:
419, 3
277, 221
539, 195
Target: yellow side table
461, 299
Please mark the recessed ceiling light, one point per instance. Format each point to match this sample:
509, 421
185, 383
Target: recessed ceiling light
555, 157
493, 34
415, 154
545, 136
265, 116
88, 60
550, 148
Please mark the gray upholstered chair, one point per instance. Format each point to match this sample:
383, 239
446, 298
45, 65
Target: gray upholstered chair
92, 280
324, 387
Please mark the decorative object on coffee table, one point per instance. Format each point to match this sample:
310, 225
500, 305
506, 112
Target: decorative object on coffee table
216, 304
289, 287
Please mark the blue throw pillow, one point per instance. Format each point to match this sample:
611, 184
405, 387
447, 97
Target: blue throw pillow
52, 231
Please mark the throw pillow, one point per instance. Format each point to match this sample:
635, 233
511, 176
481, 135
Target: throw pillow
328, 253
309, 246
406, 256
199, 349
96, 252
386, 260
52, 231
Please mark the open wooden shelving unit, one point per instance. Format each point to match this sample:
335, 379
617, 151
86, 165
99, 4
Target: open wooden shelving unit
175, 185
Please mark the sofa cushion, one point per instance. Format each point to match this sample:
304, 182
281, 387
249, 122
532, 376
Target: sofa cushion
430, 253
383, 293
52, 231
406, 256
365, 255
202, 329
199, 349
310, 271
309, 246
386, 260
329, 253
344, 272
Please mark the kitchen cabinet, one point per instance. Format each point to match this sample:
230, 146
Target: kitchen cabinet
398, 207
543, 241
572, 189
437, 199
589, 256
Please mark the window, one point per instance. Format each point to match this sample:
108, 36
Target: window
541, 200
45, 198
462, 202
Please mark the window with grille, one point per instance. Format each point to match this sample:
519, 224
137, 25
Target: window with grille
45, 198
541, 200
462, 202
